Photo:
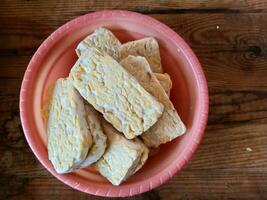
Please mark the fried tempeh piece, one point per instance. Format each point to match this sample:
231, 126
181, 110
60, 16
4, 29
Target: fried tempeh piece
165, 81
99, 138
147, 47
68, 136
169, 126
104, 40
122, 157
111, 90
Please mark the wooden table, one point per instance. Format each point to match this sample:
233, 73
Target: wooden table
230, 40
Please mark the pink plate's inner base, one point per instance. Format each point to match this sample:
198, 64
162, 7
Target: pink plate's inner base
185, 96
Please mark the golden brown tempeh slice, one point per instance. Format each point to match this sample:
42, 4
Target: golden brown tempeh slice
147, 47
111, 90
47, 103
169, 126
104, 40
68, 136
165, 81
122, 157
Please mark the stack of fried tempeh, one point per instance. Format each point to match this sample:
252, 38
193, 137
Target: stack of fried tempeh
112, 108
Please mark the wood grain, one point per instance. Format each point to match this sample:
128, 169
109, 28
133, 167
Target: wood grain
230, 40
239, 46
64, 8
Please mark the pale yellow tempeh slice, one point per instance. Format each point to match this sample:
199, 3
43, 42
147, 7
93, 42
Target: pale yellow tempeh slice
111, 90
169, 126
99, 138
165, 81
104, 40
147, 47
122, 157
68, 136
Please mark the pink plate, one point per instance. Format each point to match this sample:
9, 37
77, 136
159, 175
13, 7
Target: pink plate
55, 57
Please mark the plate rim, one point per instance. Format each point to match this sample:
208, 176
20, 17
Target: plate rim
158, 179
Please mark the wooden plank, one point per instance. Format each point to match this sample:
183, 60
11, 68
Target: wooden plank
230, 42
222, 158
230, 148
53, 9
10, 86
242, 146
216, 184
191, 184
230, 47
13, 66
231, 130
234, 107
233, 56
